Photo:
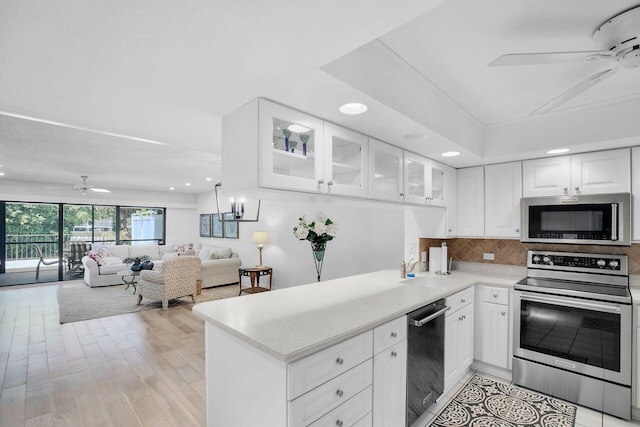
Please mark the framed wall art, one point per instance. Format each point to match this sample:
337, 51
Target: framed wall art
205, 225
217, 230
230, 226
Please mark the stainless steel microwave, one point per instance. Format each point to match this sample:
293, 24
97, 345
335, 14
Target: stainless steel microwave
592, 219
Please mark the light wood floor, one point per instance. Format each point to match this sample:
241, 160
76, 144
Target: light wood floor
136, 369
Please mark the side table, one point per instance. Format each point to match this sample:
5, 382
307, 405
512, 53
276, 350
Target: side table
254, 274
132, 278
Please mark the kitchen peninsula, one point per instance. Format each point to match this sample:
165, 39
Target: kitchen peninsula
269, 356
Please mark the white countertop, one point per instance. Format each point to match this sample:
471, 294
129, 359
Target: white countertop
294, 322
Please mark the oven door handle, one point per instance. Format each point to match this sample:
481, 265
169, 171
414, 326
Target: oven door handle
570, 302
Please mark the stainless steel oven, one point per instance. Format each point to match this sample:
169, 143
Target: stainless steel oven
593, 219
573, 329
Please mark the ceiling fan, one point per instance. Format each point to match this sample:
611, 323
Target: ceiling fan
85, 188
619, 41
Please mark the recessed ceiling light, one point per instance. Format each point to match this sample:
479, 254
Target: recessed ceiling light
188, 184
1, 173
297, 128
558, 151
450, 154
172, 188
353, 108
209, 179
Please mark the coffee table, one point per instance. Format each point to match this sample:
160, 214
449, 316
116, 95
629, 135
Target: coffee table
131, 281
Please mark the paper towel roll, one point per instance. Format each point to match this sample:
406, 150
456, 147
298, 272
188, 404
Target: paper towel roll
434, 259
443, 259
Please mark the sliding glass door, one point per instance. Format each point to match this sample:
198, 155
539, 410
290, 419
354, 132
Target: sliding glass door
32, 249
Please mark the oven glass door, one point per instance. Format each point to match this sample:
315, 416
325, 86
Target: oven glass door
579, 221
585, 336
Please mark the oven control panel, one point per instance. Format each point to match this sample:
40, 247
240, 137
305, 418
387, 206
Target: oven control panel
577, 261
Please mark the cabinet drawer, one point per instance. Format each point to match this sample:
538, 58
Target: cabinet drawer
314, 404
459, 300
391, 333
495, 295
310, 372
356, 412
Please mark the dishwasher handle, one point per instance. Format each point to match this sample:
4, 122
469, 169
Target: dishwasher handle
429, 318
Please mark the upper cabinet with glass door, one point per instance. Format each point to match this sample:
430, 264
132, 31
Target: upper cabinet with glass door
345, 161
385, 171
291, 149
417, 179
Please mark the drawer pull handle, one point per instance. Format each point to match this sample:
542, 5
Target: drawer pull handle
339, 423
495, 295
393, 335
339, 360
502, 313
340, 393
463, 300
394, 354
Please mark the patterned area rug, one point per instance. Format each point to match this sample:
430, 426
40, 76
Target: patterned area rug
77, 301
483, 402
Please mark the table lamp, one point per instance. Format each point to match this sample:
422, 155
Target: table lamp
260, 237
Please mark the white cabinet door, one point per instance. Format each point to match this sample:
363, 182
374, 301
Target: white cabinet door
458, 344
636, 194
503, 190
606, 171
451, 214
495, 334
437, 194
346, 161
386, 167
601, 172
417, 179
291, 149
471, 202
549, 176
390, 386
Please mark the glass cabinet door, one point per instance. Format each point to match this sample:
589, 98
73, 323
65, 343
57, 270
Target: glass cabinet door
291, 149
417, 179
438, 189
385, 171
346, 161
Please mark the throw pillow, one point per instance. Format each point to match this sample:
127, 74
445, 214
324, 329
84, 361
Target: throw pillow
170, 255
98, 254
110, 260
204, 253
214, 255
221, 250
183, 247
190, 252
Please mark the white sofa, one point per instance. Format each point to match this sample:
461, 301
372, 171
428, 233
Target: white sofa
214, 272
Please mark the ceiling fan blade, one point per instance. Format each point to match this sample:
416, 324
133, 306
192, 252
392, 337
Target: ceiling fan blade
551, 58
576, 90
99, 190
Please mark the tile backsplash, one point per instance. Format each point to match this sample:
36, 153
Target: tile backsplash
514, 252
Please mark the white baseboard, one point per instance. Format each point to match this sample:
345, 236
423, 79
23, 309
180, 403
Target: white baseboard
495, 371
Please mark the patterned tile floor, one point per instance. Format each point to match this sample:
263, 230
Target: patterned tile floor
585, 417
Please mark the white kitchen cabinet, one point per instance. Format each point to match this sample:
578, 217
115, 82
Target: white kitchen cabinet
606, 171
386, 171
390, 385
503, 190
471, 202
301, 152
458, 337
417, 179
291, 149
451, 214
635, 186
346, 161
492, 336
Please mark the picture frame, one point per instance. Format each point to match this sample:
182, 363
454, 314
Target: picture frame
205, 225
230, 226
216, 230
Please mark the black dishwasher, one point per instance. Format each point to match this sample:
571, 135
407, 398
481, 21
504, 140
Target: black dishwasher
425, 358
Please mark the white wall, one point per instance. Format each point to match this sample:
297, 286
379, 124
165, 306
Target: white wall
370, 235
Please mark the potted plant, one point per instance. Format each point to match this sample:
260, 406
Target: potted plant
142, 262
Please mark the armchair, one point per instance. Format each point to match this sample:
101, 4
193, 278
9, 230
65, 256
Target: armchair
176, 279
42, 260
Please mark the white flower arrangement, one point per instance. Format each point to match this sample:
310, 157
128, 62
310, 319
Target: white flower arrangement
318, 231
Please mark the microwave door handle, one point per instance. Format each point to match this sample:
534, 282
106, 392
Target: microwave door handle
614, 221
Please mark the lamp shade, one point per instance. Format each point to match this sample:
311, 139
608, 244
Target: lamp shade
260, 237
